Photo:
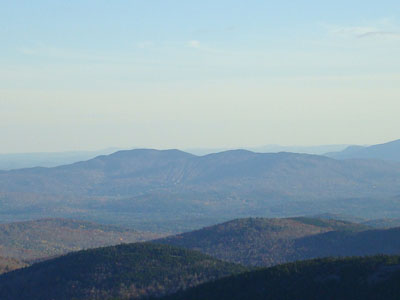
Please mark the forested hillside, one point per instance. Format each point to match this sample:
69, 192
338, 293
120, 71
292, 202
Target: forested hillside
322, 279
347, 243
130, 271
32, 240
8, 264
266, 242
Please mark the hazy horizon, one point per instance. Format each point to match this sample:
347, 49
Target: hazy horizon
86, 75
189, 149
195, 149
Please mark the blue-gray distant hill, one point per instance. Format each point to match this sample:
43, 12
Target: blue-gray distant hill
179, 191
388, 151
318, 150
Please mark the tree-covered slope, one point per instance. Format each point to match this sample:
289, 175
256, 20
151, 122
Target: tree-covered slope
349, 278
126, 271
257, 241
8, 264
266, 242
347, 243
44, 238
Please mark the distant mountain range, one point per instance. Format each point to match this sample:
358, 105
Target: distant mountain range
41, 239
168, 188
387, 151
12, 161
345, 278
132, 271
317, 150
266, 242
135, 172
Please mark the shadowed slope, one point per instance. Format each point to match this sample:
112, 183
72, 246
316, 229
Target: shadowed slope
127, 271
257, 241
350, 278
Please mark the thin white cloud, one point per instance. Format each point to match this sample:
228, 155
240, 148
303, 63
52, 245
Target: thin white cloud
193, 44
380, 30
351, 31
381, 34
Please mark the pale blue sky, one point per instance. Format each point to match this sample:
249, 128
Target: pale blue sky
181, 74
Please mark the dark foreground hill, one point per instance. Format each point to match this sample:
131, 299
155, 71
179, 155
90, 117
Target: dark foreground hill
126, 271
349, 278
266, 242
32, 240
347, 243
173, 188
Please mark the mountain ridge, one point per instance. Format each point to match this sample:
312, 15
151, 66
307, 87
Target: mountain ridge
173, 185
267, 242
386, 151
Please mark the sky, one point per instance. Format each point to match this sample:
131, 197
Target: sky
85, 75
